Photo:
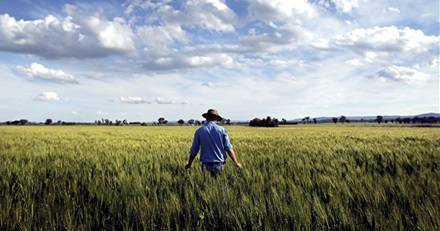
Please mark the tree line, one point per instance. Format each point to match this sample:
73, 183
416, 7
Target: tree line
256, 122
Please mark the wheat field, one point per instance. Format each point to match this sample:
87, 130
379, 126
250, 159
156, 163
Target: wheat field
304, 177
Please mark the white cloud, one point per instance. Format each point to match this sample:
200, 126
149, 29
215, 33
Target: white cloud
280, 63
37, 71
52, 37
287, 36
48, 96
354, 62
213, 15
160, 100
393, 10
180, 61
208, 84
389, 39
269, 10
321, 43
141, 100
435, 63
113, 35
157, 39
388, 45
345, 6
403, 74
132, 100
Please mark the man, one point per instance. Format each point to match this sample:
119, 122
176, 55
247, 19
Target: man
214, 143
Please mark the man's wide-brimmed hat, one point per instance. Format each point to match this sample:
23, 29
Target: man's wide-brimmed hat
212, 114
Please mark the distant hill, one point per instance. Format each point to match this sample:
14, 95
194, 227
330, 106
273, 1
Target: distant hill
370, 118
433, 114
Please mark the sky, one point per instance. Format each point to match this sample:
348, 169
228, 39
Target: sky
144, 59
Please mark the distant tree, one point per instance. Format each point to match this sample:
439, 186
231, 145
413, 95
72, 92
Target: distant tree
125, 122
191, 122
307, 118
24, 121
283, 121
48, 122
15, 122
415, 119
181, 122
315, 121
267, 122
227, 121
379, 119
406, 120
161, 120
335, 120
197, 122
342, 119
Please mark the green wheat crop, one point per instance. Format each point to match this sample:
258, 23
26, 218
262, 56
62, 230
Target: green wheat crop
294, 178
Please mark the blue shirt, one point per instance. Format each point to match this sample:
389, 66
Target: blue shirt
213, 141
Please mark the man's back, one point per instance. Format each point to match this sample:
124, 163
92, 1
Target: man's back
213, 141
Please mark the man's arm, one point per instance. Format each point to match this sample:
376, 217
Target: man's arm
229, 150
191, 159
193, 151
231, 154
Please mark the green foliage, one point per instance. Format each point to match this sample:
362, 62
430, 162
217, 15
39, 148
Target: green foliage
304, 178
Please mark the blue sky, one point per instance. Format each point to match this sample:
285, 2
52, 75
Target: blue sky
141, 59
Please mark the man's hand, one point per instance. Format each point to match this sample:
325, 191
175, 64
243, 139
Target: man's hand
188, 166
231, 153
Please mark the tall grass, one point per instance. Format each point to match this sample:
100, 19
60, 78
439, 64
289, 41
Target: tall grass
303, 178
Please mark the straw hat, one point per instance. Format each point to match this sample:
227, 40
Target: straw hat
212, 114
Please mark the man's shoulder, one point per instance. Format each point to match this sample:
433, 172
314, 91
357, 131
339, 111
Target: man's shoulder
219, 128
200, 129
208, 127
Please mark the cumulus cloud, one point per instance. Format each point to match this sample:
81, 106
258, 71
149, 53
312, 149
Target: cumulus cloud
285, 37
141, 100
181, 61
345, 6
269, 10
52, 37
132, 100
435, 63
354, 62
213, 15
160, 100
157, 39
393, 10
48, 96
208, 84
402, 74
389, 39
113, 35
36, 71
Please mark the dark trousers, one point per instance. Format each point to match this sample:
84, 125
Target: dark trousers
213, 167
